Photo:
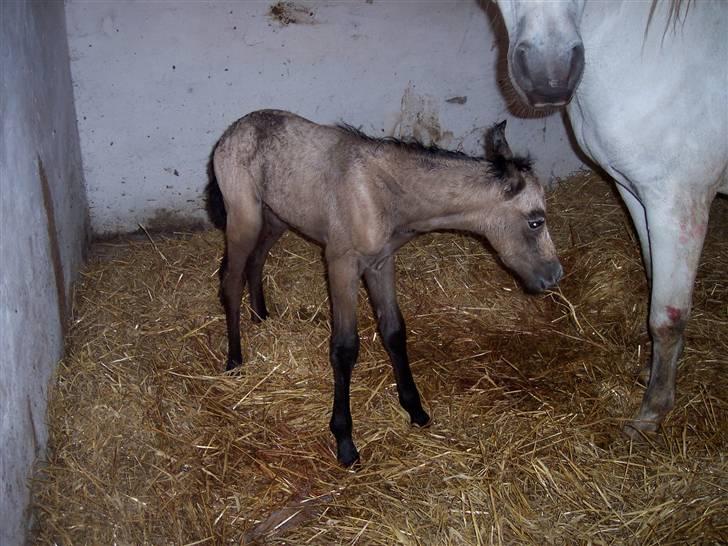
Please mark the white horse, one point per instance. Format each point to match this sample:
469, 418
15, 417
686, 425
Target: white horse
645, 85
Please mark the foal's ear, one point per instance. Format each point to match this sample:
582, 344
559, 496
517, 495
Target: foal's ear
513, 187
496, 145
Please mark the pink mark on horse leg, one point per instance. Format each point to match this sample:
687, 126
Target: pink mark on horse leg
692, 227
673, 313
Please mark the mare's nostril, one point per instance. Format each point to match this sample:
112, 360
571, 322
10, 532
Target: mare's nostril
522, 58
576, 67
577, 53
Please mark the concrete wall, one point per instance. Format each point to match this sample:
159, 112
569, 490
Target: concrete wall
43, 229
158, 82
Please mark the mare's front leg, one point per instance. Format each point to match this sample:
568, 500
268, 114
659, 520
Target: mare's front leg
344, 350
677, 225
382, 292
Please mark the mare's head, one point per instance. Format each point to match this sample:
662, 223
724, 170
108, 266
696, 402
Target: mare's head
516, 226
545, 51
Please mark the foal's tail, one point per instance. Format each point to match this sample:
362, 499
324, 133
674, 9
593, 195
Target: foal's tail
214, 203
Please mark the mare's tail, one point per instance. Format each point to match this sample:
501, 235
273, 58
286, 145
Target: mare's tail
214, 203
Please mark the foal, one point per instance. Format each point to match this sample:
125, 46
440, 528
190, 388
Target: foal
362, 198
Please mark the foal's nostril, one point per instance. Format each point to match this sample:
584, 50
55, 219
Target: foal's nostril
553, 276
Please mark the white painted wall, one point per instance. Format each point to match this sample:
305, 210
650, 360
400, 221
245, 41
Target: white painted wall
156, 83
40, 252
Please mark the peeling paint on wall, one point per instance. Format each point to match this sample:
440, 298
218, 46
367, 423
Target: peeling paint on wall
419, 118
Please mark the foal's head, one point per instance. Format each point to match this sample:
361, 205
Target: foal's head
517, 226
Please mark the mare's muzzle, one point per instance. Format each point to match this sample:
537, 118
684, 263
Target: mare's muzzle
547, 76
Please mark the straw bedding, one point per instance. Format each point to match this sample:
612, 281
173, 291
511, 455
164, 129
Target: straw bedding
150, 443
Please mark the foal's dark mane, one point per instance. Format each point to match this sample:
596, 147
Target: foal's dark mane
498, 164
410, 144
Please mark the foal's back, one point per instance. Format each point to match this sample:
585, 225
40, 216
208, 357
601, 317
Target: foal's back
335, 185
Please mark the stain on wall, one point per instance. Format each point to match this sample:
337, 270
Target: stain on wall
54, 248
166, 220
292, 13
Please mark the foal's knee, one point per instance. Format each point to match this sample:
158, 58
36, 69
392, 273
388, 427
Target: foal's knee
395, 339
231, 288
392, 330
344, 351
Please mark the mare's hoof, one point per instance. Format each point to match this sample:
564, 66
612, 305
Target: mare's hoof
421, 419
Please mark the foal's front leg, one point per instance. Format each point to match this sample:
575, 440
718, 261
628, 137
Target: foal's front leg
380, 283
343, 285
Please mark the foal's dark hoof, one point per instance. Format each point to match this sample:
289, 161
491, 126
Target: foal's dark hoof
421, 419
347, 456
257, 318
643, 378
232, 366
641, 430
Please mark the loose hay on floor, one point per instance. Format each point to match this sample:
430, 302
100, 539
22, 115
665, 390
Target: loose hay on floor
151, 443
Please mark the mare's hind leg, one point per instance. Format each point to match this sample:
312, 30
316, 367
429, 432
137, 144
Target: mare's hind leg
394, 337
677, 227
241, 233
273, 228
639, 220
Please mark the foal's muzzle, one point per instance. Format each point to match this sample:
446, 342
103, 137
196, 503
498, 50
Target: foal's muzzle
547, 76
545, 277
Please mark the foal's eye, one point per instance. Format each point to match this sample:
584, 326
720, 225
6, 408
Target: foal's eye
535, 224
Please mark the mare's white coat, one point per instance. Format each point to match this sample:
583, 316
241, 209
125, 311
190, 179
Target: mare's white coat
652, 110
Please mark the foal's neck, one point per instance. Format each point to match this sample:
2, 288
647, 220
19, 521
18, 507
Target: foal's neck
449, 194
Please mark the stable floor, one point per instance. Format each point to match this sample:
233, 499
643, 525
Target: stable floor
152, 443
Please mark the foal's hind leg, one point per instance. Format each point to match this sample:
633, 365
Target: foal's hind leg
394, 337
273, 228
243, 226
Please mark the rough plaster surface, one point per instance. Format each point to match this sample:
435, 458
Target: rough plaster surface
43, 229
156, 83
